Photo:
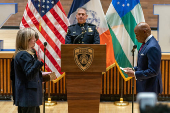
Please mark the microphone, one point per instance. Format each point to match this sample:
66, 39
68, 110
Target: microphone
83, 32
83, 29
134, 47
45, 44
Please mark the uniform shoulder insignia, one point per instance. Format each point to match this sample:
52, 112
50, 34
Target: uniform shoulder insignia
70, 27
97, 30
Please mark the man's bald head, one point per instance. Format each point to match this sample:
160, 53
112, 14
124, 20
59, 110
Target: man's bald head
142, 31
144, 27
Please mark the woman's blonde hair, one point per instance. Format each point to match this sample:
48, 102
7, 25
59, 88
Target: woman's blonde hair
22, 39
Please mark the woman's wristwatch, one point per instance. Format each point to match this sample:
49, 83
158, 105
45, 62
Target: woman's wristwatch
133, 69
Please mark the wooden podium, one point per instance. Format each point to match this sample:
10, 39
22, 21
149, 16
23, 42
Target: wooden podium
83, 65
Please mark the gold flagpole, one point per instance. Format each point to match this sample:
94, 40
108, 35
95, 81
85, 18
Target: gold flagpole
49, 102
121, 102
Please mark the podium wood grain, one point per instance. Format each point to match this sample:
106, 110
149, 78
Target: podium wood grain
83, 92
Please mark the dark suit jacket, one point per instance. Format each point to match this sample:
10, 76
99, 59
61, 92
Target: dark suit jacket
12, 74
28, 80
91, 36
147, 71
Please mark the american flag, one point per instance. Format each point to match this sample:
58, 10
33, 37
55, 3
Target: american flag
48, 18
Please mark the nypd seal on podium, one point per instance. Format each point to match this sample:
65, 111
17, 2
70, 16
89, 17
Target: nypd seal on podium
83, 57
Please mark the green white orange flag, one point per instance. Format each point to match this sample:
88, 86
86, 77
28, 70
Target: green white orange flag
122, 17
95, 16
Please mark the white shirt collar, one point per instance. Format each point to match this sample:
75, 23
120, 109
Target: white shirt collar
148, 38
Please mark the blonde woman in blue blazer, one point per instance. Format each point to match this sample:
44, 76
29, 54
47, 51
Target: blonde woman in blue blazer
28, 78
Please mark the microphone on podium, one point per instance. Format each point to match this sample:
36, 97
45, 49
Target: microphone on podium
83, 32
45, 44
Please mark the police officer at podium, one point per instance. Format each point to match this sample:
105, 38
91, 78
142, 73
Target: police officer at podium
82, 32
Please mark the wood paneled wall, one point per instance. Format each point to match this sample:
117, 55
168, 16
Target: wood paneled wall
111, 80
147, 6
5, 82
165, 70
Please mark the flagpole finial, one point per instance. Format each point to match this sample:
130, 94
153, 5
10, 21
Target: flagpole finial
40, 27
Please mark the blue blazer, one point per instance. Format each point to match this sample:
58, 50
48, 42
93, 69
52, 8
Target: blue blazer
28, 80
147, 71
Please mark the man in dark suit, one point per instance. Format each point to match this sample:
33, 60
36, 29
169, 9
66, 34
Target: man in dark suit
82, 32
147, 72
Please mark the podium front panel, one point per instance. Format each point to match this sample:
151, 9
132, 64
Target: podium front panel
83, 58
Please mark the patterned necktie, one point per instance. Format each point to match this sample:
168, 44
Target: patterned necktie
141, 46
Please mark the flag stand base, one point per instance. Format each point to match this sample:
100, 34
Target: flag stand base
121, 103
50, 103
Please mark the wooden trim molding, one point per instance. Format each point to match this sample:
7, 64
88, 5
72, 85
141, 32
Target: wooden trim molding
165, 56
6, 54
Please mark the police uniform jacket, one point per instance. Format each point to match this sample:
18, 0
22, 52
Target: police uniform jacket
28, 80
82, 34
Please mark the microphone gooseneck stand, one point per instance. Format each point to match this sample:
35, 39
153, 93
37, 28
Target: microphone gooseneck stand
49, 102
45, 44
133, 50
